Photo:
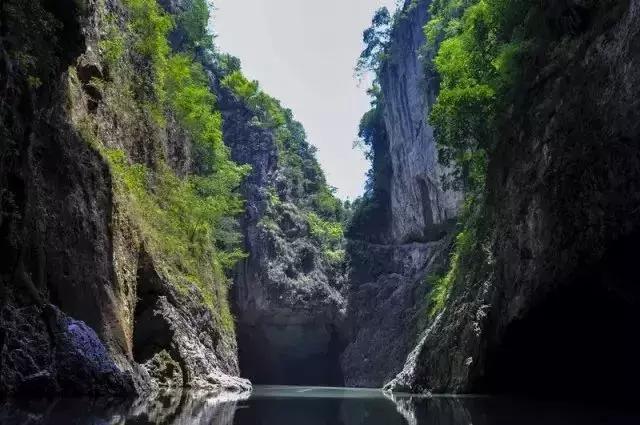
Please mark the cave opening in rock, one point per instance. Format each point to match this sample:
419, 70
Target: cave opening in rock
151, 331
581, 341
290, 354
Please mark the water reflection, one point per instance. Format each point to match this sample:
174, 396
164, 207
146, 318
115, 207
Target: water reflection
177, 408
308, 406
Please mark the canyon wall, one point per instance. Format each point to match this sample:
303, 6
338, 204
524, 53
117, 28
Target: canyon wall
420, 207
388, 285
89, 304
551, 309
288, 293
103, 288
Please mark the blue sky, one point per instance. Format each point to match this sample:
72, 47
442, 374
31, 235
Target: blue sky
303, 53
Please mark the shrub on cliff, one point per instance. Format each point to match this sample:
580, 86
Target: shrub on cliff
186, 217
480, 47
305, 183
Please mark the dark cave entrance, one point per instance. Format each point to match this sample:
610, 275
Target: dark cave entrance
152, 332
306, 355
581, 342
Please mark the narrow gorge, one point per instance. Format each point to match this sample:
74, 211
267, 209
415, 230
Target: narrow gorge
165, 223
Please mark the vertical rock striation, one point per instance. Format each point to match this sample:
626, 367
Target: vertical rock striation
388, 288
563, 190
419, 205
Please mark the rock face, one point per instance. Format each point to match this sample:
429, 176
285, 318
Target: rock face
419, 205
564, 185
387, 282
287, 296
45, 351
85, 307
387, 296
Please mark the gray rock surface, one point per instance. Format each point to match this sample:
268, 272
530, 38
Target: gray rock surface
78, 286
287, 296
387, 301
564, 185
418, 202
44, 351
388, 291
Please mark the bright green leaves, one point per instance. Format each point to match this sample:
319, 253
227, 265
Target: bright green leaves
268, 109
180, 225
189, 97
480, 45
150, 26
182, 86
295, 155
477, 60
194, 22
328, 232
330, 235
326, 203
113, 45
187, 222
241, 86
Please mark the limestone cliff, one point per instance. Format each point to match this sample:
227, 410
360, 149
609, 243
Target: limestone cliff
287, 294
91, 301
419, 204
390, 263
553, 306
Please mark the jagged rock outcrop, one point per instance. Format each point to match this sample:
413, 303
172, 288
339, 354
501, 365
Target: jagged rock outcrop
556, 313
388, 289
86, 307
387, 303
287, 295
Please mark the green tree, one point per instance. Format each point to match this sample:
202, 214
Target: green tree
194, 21
479, 46
375, 39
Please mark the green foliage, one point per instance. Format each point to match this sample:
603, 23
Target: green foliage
228, 63
441, 286
189, 96
479, 45
149, 25
471, 259
335, 257
375, 39
274, 199
188, 223
194, 22
270, 113
112, 45
371, 211
178, 224
182, 86
326, 203
328, 233
306, 184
